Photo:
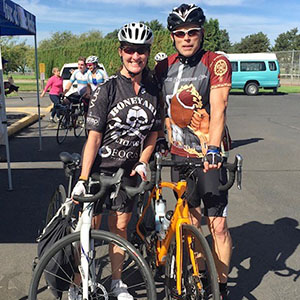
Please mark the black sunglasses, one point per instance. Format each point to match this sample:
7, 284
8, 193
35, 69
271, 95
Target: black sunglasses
131, 50
191, 32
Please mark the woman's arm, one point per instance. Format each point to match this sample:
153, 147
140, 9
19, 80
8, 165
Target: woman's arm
90, 151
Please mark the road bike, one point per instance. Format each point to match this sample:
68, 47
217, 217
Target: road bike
91, 260
72, 116
180, 247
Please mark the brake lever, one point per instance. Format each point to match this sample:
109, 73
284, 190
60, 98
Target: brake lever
239, 164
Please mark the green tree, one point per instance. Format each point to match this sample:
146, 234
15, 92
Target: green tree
155, 25
225, 44
289, 40
15, 53
90, 36
253, 43
212, 35
113, 34
58, 39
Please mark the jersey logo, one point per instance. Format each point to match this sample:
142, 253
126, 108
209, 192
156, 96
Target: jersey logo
220, 69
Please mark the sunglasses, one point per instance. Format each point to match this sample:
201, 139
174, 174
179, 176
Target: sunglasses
131, 50
191, 32
89, 65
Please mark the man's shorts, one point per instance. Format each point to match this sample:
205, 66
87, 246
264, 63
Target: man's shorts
119, 202
204, 187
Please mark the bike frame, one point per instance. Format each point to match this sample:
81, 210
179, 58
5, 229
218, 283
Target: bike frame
180, 216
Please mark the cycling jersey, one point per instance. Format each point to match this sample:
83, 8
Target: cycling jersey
100, 77
186, 90
82, 80
124, 118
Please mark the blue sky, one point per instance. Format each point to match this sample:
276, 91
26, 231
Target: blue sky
239, 17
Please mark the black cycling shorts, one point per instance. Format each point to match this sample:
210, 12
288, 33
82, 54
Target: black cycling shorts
204, 187
120, 202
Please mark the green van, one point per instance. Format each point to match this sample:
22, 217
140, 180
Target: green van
251, 71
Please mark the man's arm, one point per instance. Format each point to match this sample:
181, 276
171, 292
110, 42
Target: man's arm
218, 104
67, 88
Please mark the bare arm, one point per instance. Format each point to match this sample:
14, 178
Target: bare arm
218, 105
90, 151
67, 88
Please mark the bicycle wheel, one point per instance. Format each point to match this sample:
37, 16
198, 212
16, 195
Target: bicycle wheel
135, 274
57, 199
79, 123
201, 287
63, 128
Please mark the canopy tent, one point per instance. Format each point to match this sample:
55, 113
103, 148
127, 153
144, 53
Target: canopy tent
15, 20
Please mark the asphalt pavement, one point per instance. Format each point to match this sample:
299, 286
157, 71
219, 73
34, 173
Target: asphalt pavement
263, 217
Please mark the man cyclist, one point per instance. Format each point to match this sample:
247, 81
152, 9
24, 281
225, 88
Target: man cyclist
81, 77
95, 75
195, 86
159, 57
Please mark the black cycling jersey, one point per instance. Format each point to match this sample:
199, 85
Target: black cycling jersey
124, 118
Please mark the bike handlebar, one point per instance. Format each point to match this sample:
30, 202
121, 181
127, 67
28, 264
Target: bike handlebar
233, 168
106, 182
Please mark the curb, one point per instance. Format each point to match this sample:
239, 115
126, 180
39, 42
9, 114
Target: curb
22, 123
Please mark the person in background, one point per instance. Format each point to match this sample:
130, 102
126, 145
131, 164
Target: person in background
159, 57
95, 74
55, 84
123, 122
79, 75
195, 86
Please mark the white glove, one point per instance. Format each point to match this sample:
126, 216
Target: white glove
79, 189
141, 168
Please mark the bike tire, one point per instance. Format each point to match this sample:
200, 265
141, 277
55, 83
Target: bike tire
190, 290
79, 124
136, 273
56, 201
63, 128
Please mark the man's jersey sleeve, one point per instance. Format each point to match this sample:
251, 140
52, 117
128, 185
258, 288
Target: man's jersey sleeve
73, 76
98, 109
220, 72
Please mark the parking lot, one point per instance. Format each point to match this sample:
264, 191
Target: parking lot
263, 217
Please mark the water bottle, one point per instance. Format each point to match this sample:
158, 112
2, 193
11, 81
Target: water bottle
160, 211
167, 220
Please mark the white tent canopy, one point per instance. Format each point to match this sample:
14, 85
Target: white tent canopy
15, 20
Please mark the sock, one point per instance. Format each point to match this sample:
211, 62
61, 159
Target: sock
114, 282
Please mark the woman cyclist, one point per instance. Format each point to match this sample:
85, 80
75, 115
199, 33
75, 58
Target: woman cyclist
123, 122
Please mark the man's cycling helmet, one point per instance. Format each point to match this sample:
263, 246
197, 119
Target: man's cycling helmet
92, 59
136, 33
160, 56
185, 14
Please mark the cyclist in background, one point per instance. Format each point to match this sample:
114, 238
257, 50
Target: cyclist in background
159, 57
195, 86
123, 121
95, 74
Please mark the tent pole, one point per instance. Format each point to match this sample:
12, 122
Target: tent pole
38, 90
4, 123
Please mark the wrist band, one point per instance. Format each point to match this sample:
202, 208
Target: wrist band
83, 178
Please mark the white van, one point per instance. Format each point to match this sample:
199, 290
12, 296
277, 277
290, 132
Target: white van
66, 72
251, 71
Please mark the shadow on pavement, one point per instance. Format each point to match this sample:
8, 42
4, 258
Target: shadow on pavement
239, 143
24, 209
259, 249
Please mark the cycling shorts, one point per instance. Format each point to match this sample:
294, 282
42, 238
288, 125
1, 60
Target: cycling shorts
203, 187
120, 202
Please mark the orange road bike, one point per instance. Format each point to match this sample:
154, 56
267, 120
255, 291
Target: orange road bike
190, 271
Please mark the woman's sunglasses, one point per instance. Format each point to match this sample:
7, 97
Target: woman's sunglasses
191, 32
131, 50
89, 65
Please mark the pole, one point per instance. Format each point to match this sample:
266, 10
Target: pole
4, 123
38, 90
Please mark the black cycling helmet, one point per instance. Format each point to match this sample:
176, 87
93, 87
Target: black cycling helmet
185, 14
